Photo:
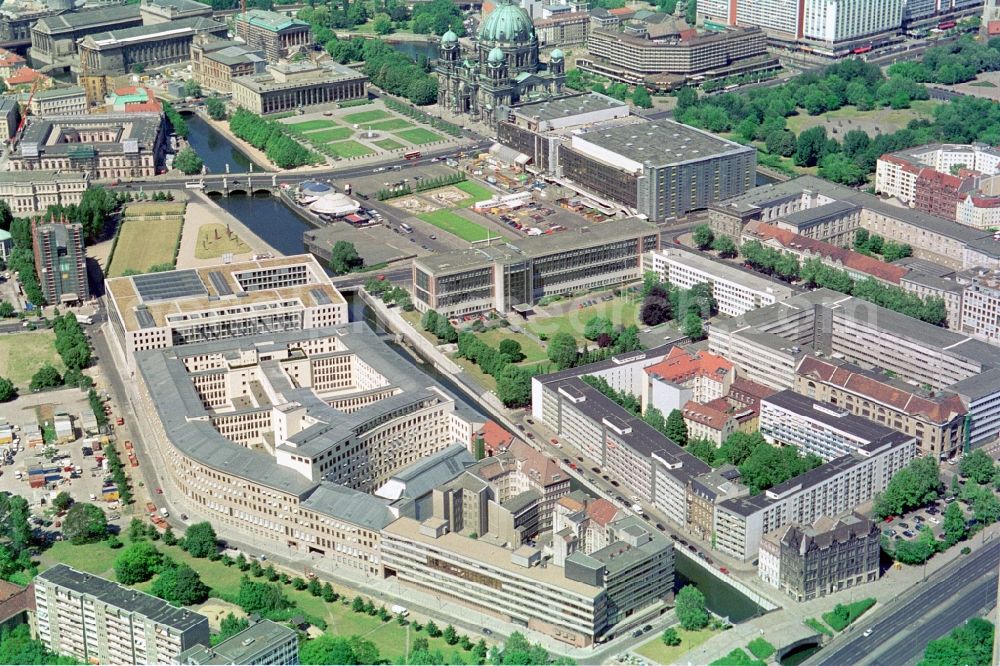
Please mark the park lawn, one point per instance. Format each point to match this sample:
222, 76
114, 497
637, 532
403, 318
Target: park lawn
389, 637
145, 243
23, 354
391, 124
479, 192
328, 135
455, 224
619, 311
658, 653
214, 240
474, 371
362, 117
531, 349
308, 125
418, 135
349, 149
154, 208
889, 120
388, 144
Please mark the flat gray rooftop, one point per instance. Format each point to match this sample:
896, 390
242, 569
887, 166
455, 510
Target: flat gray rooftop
661, 143
563, 107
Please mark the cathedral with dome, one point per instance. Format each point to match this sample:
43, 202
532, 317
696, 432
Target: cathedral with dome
500, 71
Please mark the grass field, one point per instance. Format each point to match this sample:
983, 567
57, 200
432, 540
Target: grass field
308, 125
362, 117
847, 118
390, 638
145, 243
391, 124
349, 149
531, 349
418, 135
332, 134
22, 354
658, 653
619, 311
478, 191
213, 242
154, 208
455, 224
388, 144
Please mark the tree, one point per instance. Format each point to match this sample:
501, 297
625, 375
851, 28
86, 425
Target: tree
841, 169
329, 595
62, 501
655, 307
917, 551
7, 390
46, 377
138, 68
137, 563
768, 466
693, 327
216, 108
230, 626
512, 349
180, 585
429, 321
954, 524
978, 466
17, 647
518, 651
597, 325
315, 587
188, 162
450, 635
915, 485
382, 24
327, 649
258, 597
562, 350
703, 236
690, 608
677, 430
6, 216
514, 386
6, 310
810, 146
432, 629
970, 644
641, 98
200, 540
670, 637
84, 523
344, 258
691, 12
192, 88
725, 246
780, 142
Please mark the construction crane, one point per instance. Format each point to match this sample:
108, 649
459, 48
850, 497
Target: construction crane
27, 108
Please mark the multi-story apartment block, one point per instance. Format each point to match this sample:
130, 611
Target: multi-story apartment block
282, 436
35, 191
768, 345
501, 277
112, 145
580, 523
182, 307
263, 643
683, 376
735, 290
979, 210
273, 33
69, 101
837, 23
594, 597
981, 304
289, 86
564, 29
216, 62
830, 555
61, 262
98, 621
940, 193
826, 430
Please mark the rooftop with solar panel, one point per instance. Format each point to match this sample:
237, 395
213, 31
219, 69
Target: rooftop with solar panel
157, 310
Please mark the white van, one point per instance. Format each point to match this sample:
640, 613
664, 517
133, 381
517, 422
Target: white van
402, 611
164, 512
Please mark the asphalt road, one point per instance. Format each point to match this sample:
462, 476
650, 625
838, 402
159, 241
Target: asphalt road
926, 612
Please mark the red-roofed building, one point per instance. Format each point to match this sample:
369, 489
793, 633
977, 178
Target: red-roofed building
25, 76
685, 375
857, 265
496, 438
711, 421
938, 193
10, 63
935, 418
993, 28
622, 13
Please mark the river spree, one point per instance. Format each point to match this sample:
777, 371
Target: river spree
214, 148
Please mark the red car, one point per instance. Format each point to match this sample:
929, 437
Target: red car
159, 491
554, 440
890, 519
724, 570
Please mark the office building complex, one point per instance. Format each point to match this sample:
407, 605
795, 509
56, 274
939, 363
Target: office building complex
668, 54
159, 310
769, 345
565, 29
69, 101
501, 70
35, 191
146, 46
97, 621
61, 262
735, 290
263, 643
823, 429
811, 561
824, 211
216, 62
273, 33
586, 600
290, 86
502, 277
283, 436
112, 145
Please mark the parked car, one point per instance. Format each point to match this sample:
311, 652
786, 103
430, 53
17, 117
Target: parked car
908, 534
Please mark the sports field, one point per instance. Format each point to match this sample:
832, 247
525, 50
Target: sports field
23, 354
455, 224
145, 243
475, 189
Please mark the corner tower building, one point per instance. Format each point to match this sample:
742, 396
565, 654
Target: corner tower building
502, 69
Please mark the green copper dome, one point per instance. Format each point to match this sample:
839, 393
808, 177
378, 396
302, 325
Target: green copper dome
495, 56
449, 38
507, 23
557, 54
